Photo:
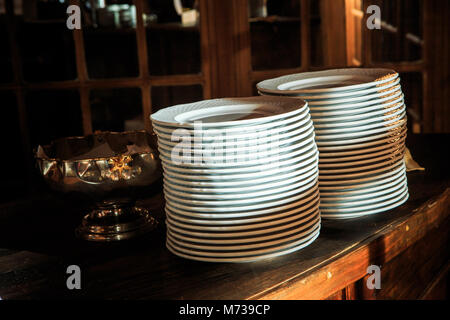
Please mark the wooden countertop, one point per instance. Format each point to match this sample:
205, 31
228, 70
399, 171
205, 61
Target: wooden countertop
37, 245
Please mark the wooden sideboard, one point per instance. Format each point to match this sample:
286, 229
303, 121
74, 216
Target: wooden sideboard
409, 243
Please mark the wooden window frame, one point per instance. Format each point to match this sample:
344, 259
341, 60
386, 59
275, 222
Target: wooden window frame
84, 84
248, 76
335, 31
419, 66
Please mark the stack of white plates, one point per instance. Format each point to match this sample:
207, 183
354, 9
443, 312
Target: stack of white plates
360, 125
240, 178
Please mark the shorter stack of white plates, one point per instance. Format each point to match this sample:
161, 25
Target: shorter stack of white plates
360, 124
240, 178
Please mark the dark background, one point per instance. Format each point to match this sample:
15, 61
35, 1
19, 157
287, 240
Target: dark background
55, 82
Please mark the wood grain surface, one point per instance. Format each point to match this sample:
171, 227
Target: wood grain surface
37, 245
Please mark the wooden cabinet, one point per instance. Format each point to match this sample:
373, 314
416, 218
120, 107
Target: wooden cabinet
109, 77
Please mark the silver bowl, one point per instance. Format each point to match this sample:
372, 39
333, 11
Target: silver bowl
112, 170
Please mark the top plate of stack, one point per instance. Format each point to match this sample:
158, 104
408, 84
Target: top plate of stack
252, 193
328, 81
359, 117
228, 112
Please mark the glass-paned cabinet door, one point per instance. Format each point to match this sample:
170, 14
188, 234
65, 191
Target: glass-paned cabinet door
13, 181
52, 114
315, 34
327, 33
275, 34
165, 96
109, 31
412, 87
401, 36
173, 36
45, 44
6, 73
117, 109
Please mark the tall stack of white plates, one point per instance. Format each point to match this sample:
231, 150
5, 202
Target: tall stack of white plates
240, 178
360, 125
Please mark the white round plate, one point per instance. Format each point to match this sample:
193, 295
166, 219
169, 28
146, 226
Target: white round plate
227, 196
220, 138
178, 240
185, 202
369, 193
296, 205
360, 154
363, 127
262, 168
174, 220
352, 123
364, 190
356, 178
357, 108
234, 205
303, 166
325, 176
346, 141
305, 225
365, 182
247, 210
280, 125
326, 202
356, 113
363, 165
385, 206
212, 258
335, 80
339, 208
228, 112
351, 93
239, 159
362, 130
234, 190
398, 201
302, 147
331, 103
244, 182
211, 196
269, 142
308, 207
352, 146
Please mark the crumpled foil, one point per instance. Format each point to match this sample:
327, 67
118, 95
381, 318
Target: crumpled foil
96, 146
411, 164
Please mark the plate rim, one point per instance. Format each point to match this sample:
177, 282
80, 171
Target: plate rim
386, 72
